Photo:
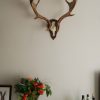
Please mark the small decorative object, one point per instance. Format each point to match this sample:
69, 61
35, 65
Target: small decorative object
31, 89
87, 97
5, 92
53, 24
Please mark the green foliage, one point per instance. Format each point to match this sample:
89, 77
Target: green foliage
48, 90
31, 89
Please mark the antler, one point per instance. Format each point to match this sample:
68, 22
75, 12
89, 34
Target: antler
53, 24
34, 6
71, 7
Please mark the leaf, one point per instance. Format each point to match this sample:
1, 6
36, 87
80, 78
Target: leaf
48, 90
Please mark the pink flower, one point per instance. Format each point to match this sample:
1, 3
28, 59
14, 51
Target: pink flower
25, 96
41, 92
41, 86
35, 84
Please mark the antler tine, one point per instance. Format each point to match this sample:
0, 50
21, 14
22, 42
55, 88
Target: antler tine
71, 7
38, 2
33, 5
31, 1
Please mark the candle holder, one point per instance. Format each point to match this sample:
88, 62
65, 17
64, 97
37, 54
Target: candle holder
87, 97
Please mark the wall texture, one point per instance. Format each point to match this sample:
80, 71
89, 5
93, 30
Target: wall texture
69, 64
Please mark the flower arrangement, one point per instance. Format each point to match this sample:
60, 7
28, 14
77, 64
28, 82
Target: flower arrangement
31, 89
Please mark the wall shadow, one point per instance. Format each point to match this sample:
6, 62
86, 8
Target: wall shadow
97, 85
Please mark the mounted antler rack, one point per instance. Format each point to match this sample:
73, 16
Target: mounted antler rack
53, 24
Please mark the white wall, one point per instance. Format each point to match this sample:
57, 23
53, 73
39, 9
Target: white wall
69, 63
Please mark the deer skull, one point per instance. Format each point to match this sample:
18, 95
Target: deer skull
53, 28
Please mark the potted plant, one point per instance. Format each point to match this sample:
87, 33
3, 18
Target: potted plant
31, 89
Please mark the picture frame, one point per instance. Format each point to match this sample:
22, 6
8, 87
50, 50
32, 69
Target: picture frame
5, 92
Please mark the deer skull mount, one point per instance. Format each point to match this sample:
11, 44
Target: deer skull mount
53, 28
53, 24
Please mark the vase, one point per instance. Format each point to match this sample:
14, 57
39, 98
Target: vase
28, 98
